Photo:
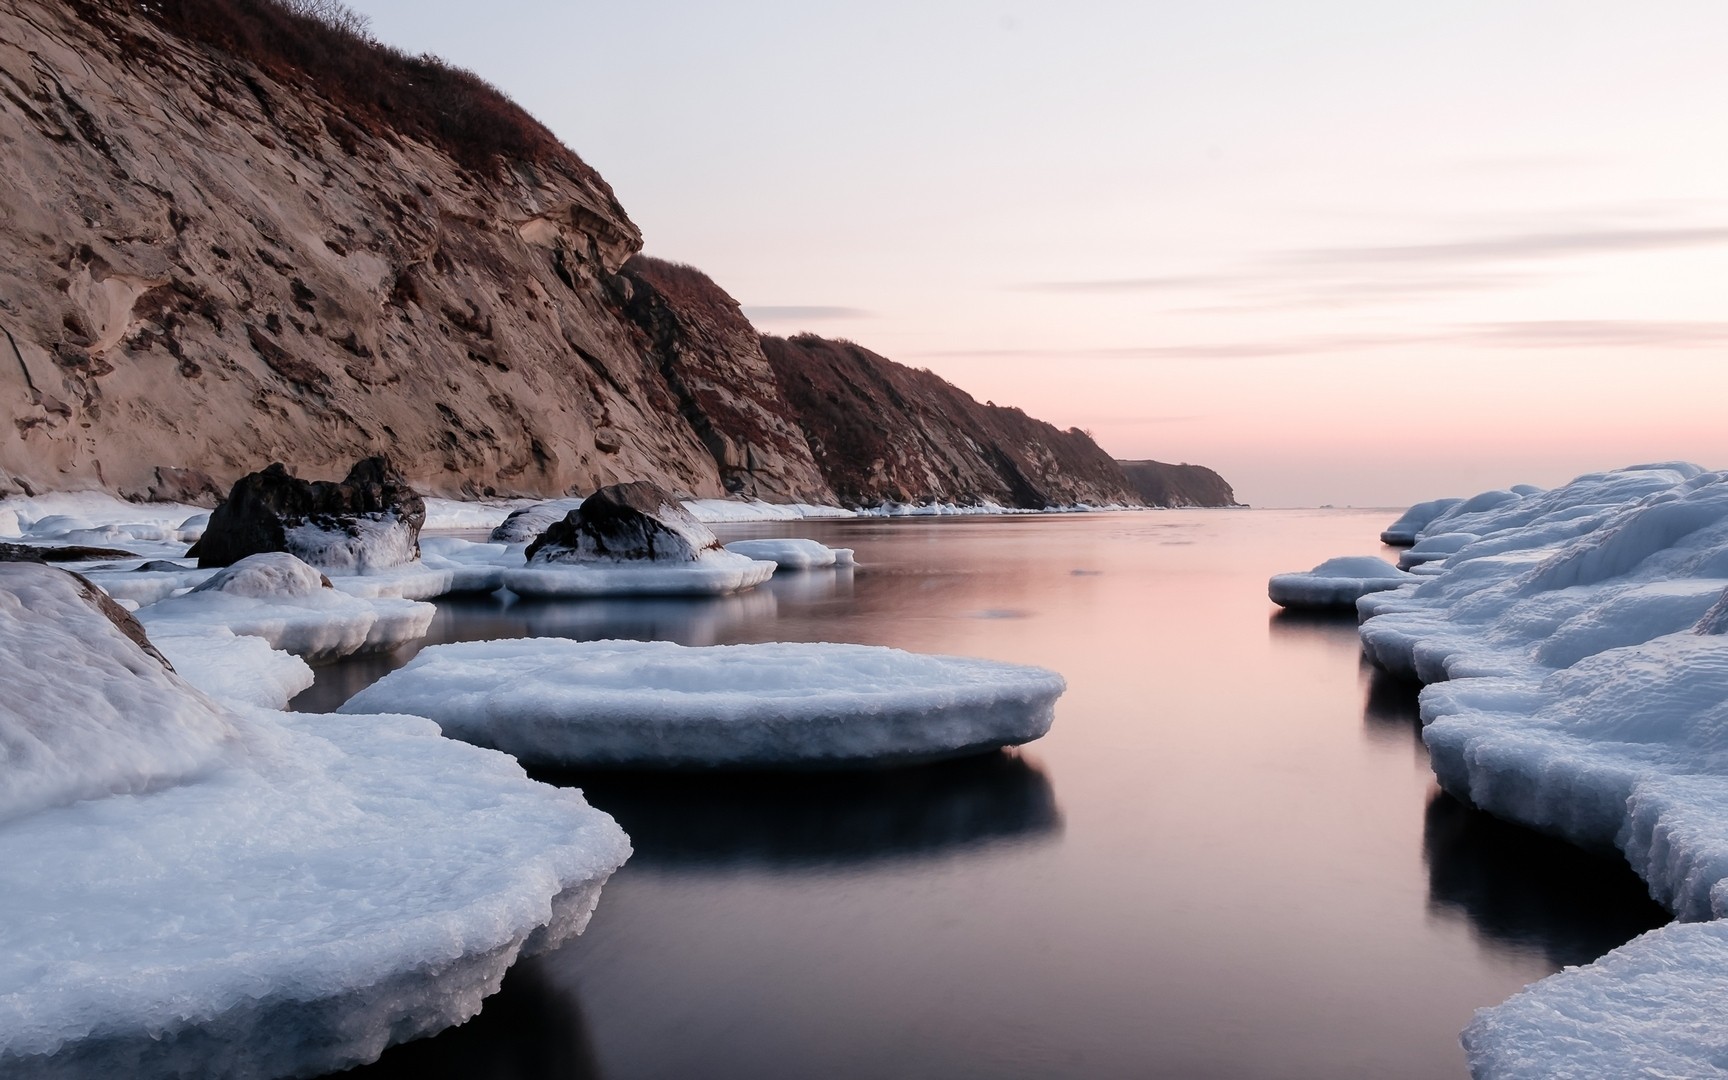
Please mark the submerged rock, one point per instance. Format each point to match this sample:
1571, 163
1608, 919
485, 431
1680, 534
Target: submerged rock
369, 521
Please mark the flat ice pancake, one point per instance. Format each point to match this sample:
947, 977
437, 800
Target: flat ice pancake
555, 702
1336, 584
715, 574
792, 553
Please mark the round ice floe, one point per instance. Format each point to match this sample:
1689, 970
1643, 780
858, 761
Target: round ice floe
792, 553
1336, 584
551, 701
277, 597
714, 574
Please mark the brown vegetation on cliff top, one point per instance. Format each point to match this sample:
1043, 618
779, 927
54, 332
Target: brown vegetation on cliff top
323, 45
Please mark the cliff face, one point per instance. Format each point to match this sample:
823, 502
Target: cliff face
204, 266
1160, 484
232, 235
711, 358
880, 431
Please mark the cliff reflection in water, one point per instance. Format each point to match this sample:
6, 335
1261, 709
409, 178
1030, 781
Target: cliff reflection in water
787, 820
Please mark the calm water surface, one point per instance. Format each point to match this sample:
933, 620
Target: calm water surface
1227, 859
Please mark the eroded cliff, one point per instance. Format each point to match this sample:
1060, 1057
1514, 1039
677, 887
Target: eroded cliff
203, 265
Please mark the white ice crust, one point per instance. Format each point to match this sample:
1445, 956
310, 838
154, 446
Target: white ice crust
715, 573
276, 597
714, 511
98, 519
1335, 584
554, 701
792, 553
199, 888
1576, 649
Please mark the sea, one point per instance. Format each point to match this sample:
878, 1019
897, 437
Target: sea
1228, 858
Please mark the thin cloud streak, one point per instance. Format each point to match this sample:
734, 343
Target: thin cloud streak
1599, 333
794, 312
1553, 334
1126, 285
1548, 245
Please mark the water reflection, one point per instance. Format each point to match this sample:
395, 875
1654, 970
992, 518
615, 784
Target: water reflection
815, 586
1529, 891
531, 1029
1331, 626
790, 820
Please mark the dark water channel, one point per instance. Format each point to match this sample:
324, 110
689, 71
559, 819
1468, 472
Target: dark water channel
1228, 858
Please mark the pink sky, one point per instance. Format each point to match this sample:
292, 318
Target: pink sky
1344, 252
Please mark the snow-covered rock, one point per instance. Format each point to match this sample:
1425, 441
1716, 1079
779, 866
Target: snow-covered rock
368, 521
632, 539
291, 606
201, 889
526, 523
1336, 584
552, 701
792, 553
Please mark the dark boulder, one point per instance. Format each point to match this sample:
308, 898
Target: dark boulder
633, 522
368, 521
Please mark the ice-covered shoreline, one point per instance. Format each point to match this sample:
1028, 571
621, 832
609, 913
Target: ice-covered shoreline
197, 885
22, 515
1575, 647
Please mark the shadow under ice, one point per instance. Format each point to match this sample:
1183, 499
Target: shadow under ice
791, 819
1530, 891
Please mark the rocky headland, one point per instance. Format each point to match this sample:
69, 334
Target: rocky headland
217, 254
1159, 483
